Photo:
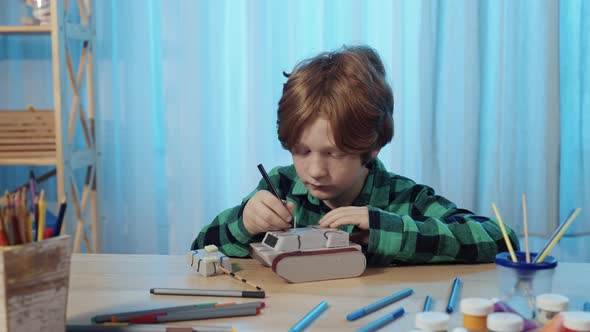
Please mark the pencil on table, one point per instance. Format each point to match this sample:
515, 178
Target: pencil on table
526, 229
504, 234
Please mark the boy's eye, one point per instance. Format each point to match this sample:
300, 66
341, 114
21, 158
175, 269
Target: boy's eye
337, 155
301, 152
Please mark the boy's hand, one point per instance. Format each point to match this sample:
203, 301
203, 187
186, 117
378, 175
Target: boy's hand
264, 212
554, 325
347, 215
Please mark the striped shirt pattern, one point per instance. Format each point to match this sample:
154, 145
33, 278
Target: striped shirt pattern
408, 223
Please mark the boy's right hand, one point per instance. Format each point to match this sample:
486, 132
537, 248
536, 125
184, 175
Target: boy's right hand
265, 212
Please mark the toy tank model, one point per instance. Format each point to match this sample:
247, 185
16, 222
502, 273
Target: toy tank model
310, 254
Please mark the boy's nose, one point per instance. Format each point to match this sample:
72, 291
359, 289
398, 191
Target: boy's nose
317, 168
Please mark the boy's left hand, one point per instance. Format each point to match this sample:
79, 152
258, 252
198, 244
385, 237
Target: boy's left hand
347, 215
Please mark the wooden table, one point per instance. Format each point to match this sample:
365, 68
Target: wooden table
102, 283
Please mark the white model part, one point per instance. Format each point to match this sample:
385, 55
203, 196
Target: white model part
205, 262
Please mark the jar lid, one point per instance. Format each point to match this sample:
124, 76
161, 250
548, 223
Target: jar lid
577, 320
505, 322
476, 306
504, 259
552, 302
432, 321
459, 329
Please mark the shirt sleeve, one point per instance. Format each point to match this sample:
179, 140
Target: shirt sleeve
227, 230
421, 227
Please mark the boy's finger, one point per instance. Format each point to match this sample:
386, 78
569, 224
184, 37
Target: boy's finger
290, 206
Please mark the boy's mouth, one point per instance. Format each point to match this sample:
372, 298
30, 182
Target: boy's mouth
318, 187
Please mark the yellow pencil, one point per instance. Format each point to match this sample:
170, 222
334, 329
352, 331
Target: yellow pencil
567, 224
526, 229
41, 221
504, 234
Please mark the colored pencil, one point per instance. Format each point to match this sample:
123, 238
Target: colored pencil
379, 304
41, 222
199, 314
453, 296
542, 255
147, 328
310, 317
427, 303
379, 323
60, 216
124, 316
207, 292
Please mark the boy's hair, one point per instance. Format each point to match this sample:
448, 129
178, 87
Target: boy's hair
349, 88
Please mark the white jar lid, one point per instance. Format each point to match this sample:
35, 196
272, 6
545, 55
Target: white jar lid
577, 320
459, 329
505, 322
552, 302
432, 321
475, 306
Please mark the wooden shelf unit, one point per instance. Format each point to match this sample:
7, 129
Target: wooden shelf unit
19, 29
46, 137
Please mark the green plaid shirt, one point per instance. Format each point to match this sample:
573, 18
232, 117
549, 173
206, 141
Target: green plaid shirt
408, 223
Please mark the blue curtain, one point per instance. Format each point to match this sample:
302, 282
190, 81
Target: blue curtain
490, 99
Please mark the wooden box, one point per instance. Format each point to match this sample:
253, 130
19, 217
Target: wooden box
34, 285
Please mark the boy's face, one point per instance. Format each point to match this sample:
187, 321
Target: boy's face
328, 173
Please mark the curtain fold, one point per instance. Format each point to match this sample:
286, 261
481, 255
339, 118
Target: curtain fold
492, 99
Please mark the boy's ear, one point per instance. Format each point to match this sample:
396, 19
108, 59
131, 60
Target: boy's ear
375, 153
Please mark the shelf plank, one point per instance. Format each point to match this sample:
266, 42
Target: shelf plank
25, 29
16, 160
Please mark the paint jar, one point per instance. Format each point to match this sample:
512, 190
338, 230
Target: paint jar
576, 321
501, 306
505, 322
475, 311
432, 321
549, 305
520, 282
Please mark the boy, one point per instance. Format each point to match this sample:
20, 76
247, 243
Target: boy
334, 116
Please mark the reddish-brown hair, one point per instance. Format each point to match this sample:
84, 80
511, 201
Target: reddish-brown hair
349, 88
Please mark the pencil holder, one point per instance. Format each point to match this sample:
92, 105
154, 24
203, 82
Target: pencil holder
34, 289
520, 282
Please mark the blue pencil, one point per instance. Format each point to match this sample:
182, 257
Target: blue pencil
310, 317
427, 303
379, 304
536, 259
453, 296
587, 306
60, 217
379, 323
